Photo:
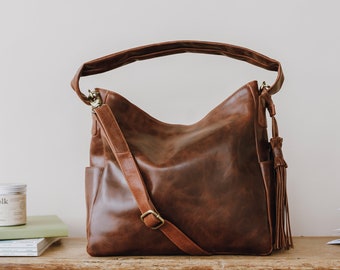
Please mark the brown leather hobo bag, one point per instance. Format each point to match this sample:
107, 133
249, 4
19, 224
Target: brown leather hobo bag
214, 187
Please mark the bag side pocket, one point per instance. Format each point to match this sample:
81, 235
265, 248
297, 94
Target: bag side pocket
92, 183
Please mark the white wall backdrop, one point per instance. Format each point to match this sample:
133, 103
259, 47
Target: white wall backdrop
45, 129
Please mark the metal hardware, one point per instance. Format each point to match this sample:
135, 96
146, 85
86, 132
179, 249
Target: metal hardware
94, 99
264, 85
156, 215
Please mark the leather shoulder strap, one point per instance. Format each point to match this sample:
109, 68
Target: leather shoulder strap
127, 163
119, 59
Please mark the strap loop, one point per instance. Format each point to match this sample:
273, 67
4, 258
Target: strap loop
269, 104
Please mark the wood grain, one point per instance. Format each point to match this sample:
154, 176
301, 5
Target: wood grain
70, 253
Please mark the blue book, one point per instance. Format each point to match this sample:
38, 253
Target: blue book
25, 247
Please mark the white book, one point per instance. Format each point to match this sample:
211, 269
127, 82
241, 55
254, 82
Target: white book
25, 247
334, 242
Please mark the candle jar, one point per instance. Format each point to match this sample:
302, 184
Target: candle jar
12, 204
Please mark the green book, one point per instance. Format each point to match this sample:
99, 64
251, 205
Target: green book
36, 227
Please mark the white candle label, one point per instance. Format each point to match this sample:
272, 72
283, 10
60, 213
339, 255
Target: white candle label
12, 209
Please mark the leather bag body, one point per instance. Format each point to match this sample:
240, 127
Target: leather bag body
217, 186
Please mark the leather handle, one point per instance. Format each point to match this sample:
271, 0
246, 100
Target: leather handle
122, 58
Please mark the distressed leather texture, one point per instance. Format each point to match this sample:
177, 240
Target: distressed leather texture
214, 179
206, 178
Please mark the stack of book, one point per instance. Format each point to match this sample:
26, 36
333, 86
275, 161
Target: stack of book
33, 238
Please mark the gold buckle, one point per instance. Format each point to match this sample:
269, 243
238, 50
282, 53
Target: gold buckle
156, 215
264, 85
94, 99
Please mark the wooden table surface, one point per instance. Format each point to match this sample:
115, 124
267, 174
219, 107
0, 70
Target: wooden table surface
70, 253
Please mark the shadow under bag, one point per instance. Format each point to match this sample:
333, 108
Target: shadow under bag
214, 187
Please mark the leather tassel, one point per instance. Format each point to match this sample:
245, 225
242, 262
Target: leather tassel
283, 235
